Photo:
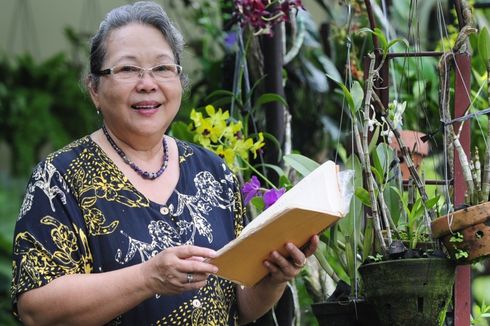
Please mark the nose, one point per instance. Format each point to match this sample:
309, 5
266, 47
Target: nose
146, 81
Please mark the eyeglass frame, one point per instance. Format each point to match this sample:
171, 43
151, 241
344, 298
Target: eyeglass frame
110, 71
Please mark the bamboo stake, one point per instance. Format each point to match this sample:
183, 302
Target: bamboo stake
365, 145
368, 177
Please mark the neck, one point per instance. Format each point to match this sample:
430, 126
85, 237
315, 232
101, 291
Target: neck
142, 161
138, 146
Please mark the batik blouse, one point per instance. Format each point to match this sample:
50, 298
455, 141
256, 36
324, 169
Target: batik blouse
80, 214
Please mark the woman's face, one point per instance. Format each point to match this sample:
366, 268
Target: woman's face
144, 107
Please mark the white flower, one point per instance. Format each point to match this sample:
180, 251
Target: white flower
399, 109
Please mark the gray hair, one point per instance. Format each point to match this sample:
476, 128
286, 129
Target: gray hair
144, 12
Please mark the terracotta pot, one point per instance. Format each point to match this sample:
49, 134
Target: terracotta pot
474, 224
419, 149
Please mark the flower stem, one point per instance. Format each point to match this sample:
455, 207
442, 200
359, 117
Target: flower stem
259, 174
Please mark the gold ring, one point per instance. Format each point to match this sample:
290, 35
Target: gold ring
189, 277
300, 265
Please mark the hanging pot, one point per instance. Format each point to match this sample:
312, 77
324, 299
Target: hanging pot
414, 291
473, 225
348, 313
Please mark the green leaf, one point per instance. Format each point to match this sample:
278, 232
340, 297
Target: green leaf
378, 175
419, 89
484, 44
347, 94
325, 265
374, 139
383, 42
273, 167
302, 164
402, 199
377, 167
399, 40
431, 202
181, 131
350, 257
363, 195
284, 182
357, 95
270, 97
367, 245
258, 203
220, 93
270, 137
224, 101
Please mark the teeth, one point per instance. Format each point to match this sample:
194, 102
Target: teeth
145, 107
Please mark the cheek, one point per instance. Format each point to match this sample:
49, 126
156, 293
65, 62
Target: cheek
114, 95
174, 93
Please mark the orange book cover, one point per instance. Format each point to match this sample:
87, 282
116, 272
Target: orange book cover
311, 206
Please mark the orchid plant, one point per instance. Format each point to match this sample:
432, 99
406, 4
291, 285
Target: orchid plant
262, 15
216, 131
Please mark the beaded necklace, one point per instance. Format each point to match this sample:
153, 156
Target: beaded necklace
144, 174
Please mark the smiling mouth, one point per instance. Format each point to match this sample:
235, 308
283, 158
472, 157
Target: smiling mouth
145, 107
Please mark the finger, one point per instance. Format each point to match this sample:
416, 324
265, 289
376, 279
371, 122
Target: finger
297, 257
188, 278
185, 252
193, 266
196, 285
277, 274
313, 246
273, 269
284, 265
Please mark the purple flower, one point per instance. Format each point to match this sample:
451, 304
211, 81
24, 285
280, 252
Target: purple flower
231, 39
272, 195
250, 189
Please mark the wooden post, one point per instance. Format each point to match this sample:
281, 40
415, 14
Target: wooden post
462, 286
272, 50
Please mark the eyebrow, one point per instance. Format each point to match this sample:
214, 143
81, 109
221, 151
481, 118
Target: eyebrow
133, 58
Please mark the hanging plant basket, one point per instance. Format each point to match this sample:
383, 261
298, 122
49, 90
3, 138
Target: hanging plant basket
465, 233
349, 313
415, 291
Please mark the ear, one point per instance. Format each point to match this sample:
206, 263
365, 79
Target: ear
94, 95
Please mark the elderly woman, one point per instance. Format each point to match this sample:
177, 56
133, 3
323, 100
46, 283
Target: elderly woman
117, 226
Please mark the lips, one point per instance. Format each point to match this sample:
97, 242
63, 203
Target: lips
146, 105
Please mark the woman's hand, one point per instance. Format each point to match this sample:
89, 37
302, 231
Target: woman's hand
285, 269
178, 269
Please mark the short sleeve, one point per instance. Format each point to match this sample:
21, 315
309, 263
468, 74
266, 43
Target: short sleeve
239, 209
49, 238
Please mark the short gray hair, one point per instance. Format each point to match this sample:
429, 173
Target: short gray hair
144, 12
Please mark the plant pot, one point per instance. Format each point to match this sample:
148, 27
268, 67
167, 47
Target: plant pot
350, 313
420, 149
414, 291
473, 223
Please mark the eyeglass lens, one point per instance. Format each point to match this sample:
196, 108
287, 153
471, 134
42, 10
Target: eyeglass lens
160, 72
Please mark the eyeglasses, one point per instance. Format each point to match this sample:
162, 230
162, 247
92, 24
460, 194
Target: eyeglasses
130, 73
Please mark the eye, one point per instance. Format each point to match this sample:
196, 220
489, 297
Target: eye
163, 68
127, 69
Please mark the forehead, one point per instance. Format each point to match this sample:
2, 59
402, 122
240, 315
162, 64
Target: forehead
139, 42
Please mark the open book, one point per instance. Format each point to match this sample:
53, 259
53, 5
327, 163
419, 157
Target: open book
311, 206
